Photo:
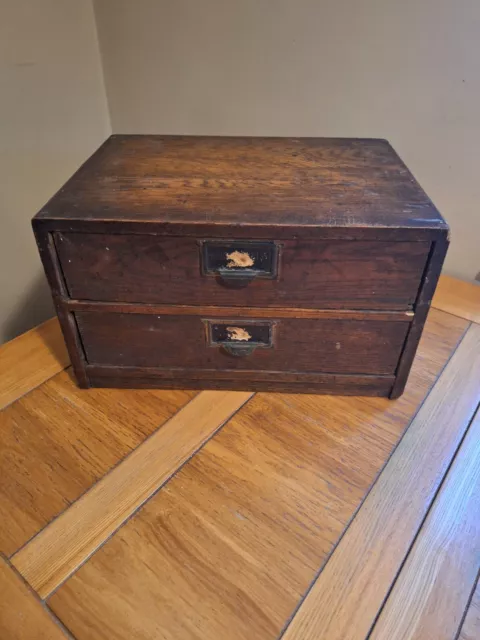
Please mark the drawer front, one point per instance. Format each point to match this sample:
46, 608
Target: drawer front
340, 274
283, 344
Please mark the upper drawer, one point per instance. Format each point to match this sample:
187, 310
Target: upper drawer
336, 274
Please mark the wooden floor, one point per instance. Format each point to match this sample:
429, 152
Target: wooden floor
225, 515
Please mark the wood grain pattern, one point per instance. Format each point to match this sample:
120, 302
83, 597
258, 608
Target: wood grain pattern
196, 181
60, 548
22, 615
471, 625
433, 590
229, 545
30, 359
344, 601
58, 440
312, 274
458, 297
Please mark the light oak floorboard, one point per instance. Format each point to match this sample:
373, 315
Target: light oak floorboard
471, 625
59, 549
345, 599
227, 547
22, 615
30, 359
458, 297
58, 440
433, 589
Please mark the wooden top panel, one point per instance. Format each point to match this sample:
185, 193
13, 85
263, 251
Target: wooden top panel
297, 182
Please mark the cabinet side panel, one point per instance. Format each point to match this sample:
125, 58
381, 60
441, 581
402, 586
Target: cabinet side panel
427, 289
67, 320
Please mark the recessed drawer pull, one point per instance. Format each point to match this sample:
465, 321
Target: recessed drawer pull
239, 339
236, 279
239, 350
236, 264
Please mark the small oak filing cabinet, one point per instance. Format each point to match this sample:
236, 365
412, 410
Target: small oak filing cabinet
279, 264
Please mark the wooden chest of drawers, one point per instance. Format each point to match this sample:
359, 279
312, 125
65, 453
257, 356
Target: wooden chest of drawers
280, 264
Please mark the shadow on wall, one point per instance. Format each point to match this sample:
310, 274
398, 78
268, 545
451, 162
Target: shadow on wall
34, 307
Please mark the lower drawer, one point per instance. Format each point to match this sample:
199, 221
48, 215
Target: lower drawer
194, 343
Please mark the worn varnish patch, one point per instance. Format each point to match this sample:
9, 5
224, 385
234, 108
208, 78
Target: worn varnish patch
239, 259
238, 333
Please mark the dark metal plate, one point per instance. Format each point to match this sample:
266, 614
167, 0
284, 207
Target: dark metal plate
257, 259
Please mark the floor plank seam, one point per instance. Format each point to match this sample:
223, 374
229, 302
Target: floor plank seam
45, 607
31, 359
469, 602
22, 395
83, 493
417, 533
50, 611
455, 315
134, 513
434, 588
299, 604
136, 510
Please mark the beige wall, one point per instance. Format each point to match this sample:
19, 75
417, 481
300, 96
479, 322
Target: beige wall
407, 71
53, 114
